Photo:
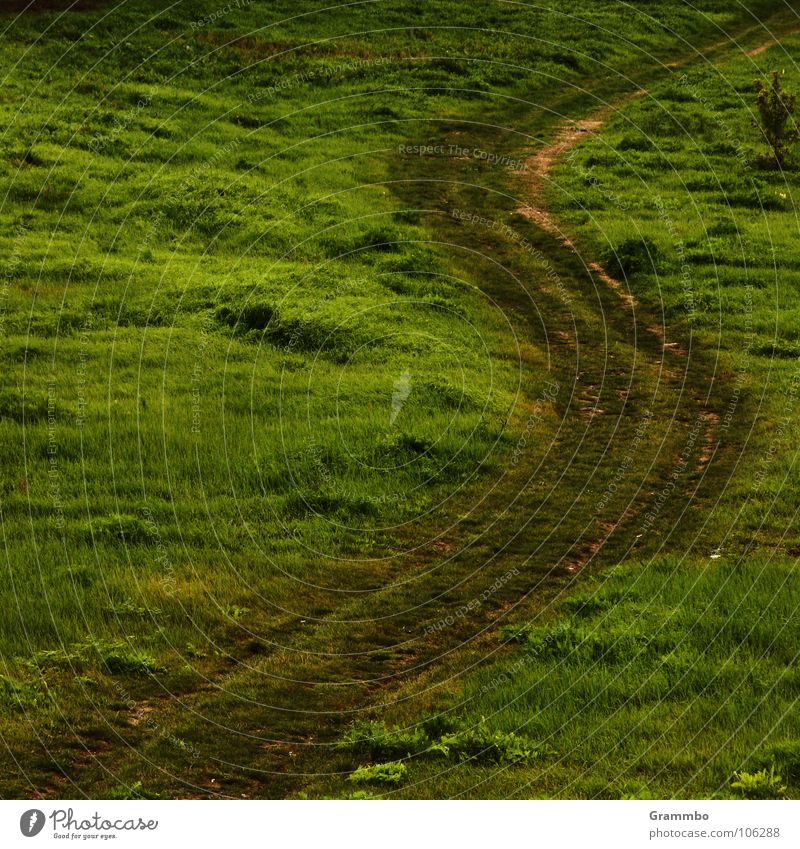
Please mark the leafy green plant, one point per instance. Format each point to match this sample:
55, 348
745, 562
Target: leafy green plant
764, 784
392, 772
775, 109
484, 746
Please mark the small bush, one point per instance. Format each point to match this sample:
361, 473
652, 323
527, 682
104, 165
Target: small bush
775, 108
254, 315
385, 239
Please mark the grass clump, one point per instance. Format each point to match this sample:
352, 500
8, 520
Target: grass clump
375, 741
121, 660
634, 256
18, 695
116, 657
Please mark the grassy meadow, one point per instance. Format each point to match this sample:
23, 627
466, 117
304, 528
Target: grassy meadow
327, 472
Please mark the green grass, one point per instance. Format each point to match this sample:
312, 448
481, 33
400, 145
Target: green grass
273, 413
658, 680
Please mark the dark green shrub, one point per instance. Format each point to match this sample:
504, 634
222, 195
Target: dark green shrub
775, 108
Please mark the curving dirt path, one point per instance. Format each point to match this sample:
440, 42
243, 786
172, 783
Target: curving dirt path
537, 176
